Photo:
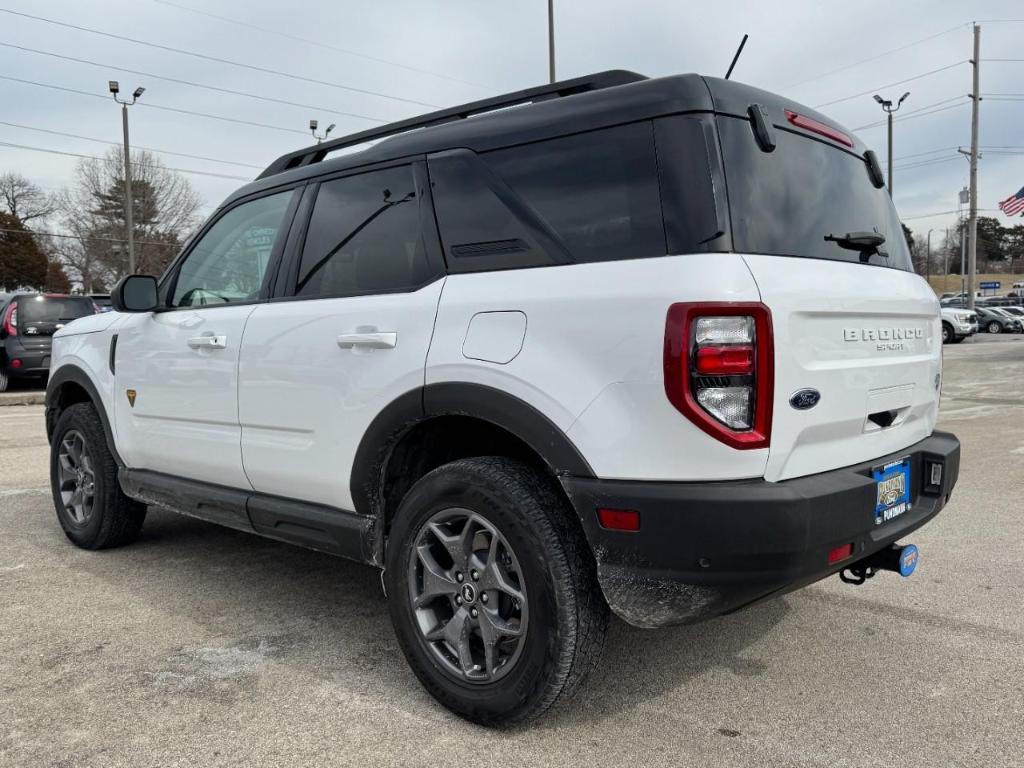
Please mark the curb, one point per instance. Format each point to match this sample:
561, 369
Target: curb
22, 398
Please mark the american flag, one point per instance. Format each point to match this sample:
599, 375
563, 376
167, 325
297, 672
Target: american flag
1014, 204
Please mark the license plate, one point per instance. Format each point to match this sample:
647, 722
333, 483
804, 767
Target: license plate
892, 482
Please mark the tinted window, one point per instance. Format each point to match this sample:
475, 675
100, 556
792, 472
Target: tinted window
229, 262
598, 191
787, 201
364, 237
41, 309
587, 197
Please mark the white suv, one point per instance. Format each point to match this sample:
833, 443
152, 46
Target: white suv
653, 346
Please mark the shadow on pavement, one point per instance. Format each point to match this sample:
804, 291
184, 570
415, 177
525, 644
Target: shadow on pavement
327, 618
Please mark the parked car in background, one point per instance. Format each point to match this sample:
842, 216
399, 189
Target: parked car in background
102, 301
958, 324
27, 324
995, 320
1017, 312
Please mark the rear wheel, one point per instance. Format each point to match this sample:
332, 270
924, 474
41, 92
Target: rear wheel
91, 508
492, 590
994, 327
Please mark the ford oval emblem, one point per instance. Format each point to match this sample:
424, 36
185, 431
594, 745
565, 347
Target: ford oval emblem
805, 399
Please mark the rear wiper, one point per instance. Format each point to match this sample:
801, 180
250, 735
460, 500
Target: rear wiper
867, 243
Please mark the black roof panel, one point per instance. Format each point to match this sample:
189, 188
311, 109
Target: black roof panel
570, 106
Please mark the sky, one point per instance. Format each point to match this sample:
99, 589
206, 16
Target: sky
360, 64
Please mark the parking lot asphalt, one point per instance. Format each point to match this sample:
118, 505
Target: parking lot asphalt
202, 646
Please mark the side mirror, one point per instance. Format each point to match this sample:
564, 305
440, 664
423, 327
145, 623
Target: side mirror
135, 293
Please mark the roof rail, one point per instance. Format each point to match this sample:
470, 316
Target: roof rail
318, 152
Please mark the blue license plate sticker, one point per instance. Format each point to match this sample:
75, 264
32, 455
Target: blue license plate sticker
892, 483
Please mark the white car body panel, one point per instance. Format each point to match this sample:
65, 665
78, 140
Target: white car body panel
592, 358
305, 402
836, 328
185, 418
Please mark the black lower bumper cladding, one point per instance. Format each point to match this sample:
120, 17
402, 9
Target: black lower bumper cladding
705, 549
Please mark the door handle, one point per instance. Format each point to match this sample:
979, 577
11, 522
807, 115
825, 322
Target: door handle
208, 342
368, 340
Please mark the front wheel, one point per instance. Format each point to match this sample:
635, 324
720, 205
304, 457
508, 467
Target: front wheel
994, 327
492, 590
947, 333
91, 507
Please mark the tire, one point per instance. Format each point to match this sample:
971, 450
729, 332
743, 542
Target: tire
4, 380
948, 337
111, 519
994, 327
541, 555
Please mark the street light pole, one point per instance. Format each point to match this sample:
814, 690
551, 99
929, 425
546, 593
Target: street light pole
887, 105
129, 225
551, 41
928, 259
312, 128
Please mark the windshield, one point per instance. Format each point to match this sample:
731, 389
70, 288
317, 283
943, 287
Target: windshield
788, 201
44, 309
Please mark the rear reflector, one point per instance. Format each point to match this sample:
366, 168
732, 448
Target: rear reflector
814, 126
619, 519
15, 363
840, 553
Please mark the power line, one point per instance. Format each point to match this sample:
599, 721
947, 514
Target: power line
911, 112
317, 43
929, 152
12, 145
890, 85
116, 143
939, 213
32, 232
217, 59
925, 163
190, 83
862, 61
151, 105
913, 116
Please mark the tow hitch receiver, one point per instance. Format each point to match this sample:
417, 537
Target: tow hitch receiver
901, 558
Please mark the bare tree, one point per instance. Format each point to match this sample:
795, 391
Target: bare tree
23, 199
165, 210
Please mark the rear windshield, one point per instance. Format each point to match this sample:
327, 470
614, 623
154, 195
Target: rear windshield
787, 201
42, 309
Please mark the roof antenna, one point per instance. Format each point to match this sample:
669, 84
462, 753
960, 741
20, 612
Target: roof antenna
736, 57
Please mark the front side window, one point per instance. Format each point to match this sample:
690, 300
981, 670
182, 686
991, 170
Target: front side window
364, 237
229, 262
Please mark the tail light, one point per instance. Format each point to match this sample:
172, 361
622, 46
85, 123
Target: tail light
718, 369
10, 323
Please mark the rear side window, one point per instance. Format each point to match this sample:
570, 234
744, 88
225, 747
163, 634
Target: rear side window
598, 191
786, 202
583, 198
364, 237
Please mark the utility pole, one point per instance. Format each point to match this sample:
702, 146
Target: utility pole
972, 226
551, 41
889, 109
129, 226
928, 258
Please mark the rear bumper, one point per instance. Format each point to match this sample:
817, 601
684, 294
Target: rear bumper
31, 362
704, 549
